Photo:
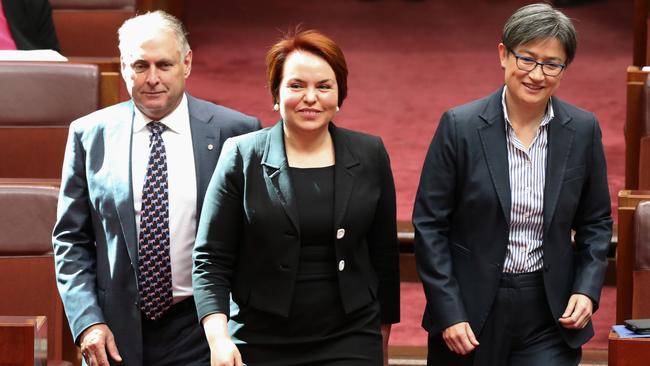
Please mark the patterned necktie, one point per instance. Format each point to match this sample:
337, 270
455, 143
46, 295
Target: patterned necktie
154, 266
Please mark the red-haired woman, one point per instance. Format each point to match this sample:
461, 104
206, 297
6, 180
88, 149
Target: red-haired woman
296, 258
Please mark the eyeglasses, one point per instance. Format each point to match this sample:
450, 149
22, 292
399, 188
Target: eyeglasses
525, 63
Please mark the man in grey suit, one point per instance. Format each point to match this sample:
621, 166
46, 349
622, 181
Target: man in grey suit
132, 187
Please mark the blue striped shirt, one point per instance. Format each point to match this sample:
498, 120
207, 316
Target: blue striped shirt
527, 168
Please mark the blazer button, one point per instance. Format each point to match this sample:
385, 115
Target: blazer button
341, 265
340, 233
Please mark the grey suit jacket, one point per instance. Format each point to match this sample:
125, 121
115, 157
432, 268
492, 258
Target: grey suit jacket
94, 239
462, 214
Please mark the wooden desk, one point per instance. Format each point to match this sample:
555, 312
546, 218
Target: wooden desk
628, 351
23, 340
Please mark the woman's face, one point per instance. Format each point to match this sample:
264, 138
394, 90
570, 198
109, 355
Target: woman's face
308, 93
532, 89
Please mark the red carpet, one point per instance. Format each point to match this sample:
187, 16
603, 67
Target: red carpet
409, 61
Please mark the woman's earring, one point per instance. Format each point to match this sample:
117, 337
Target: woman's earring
337, 108
276, 107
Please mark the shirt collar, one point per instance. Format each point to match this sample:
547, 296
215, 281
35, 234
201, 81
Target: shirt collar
548, 116
175, 121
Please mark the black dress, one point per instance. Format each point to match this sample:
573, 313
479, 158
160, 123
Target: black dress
317, 330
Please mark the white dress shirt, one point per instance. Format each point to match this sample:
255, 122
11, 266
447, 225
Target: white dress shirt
527, 168
181, 178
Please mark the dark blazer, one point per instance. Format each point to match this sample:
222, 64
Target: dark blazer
248, 241
462, 214
30, 23
94, 237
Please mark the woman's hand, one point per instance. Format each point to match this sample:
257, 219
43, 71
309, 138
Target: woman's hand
460, 338
578, 312
223, 351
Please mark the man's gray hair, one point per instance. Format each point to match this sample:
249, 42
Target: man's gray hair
142, 25
537, 22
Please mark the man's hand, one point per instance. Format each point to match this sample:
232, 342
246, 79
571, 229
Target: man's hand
460, 338
578, 312
95, 341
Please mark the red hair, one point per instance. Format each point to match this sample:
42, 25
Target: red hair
311, 41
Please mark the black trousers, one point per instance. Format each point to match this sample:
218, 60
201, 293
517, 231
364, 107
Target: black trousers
519, 331
175, 339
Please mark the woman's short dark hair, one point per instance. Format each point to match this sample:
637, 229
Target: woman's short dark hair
537, 22
311, 41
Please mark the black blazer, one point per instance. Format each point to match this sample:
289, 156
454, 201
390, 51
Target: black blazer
248, 241
462, 214
30, 23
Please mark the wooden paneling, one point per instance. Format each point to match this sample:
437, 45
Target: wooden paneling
634, 124
640, 38
33, 293
23, 340
109, 89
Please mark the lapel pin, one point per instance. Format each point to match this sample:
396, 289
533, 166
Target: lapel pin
210, 147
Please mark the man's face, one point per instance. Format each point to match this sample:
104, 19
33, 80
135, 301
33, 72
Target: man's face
155, 74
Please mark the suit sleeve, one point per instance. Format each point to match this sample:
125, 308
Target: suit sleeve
383, 245
593, 224
44, 32
74, 242
217, 240
432, 212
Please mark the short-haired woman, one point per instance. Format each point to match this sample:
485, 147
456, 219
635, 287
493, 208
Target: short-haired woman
299, 226
505, 182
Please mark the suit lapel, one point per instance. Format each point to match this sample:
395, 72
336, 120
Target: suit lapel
118, 145
204, 140
493, 140
276, 171
560, 140
344, 173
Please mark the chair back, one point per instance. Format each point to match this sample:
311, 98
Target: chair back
27, 219
644, 140
27, 279
88, 28
93, 4
40, 101
641, 279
